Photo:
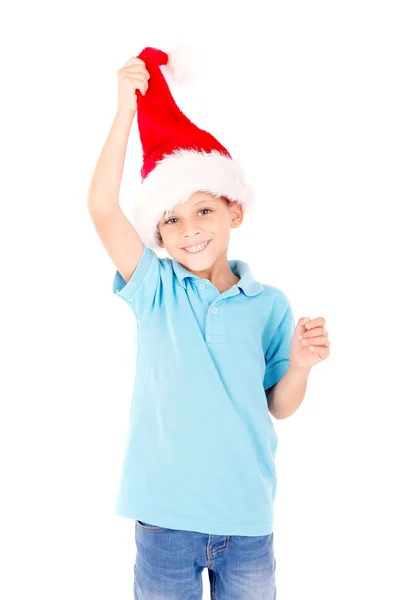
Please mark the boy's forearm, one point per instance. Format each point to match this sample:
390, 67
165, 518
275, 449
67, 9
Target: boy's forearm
106, 181
287, 395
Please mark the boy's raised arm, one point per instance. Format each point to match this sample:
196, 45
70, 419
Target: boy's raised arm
120, 239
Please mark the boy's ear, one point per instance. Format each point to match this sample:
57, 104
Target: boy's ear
236, 212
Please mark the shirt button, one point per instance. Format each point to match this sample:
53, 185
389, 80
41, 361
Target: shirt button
214, 310
202, 286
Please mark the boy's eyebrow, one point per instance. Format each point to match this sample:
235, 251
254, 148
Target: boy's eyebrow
201, 201
195, 204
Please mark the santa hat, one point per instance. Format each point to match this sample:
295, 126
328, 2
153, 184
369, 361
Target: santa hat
179, 158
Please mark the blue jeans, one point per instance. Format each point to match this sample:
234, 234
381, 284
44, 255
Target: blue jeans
169, 565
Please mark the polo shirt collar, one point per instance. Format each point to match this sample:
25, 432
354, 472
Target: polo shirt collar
241, 269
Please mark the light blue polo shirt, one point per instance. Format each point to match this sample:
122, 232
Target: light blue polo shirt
201, 442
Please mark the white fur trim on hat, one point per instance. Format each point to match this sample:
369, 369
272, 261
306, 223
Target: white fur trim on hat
179, 175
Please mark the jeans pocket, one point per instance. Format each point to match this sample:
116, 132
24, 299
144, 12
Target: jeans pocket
148, 527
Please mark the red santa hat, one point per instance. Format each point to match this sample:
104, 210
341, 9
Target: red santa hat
179, 158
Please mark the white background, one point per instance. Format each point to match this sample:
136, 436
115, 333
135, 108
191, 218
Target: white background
306, 96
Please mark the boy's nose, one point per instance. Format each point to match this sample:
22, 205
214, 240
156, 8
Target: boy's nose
189, 232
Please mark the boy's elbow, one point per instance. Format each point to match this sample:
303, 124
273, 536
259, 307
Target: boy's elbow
272, 409
278, 416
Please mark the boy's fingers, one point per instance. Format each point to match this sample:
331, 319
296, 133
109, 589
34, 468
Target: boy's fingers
314, 322
316, 341
136, 69
139, 69
137, 72
134, 60
140, 83
139, 77
303, 321
314, 332
300, 328
142, 86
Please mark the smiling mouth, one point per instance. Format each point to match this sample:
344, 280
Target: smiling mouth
196, 248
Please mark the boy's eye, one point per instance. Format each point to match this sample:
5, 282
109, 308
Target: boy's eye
174, 218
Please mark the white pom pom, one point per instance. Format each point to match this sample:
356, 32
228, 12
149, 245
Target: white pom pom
183, 64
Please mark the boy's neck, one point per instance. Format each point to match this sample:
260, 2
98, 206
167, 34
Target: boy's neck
219, 274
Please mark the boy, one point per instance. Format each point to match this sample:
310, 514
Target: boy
217, 351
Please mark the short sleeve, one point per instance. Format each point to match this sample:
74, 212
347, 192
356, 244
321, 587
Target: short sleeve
278, 351
143, 291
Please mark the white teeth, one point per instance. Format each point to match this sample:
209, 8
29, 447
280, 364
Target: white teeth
196, 248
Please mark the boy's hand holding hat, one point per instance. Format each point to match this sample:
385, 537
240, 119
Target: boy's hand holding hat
179, 158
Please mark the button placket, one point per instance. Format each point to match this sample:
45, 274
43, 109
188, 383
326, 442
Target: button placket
215, 332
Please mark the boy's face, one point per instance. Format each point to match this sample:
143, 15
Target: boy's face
202, 218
